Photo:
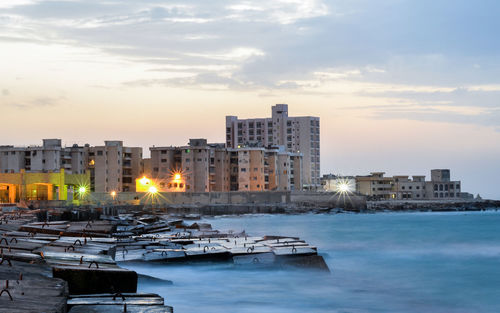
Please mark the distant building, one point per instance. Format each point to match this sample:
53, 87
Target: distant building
204, 167
376, 186
440, 187
406, 188
337, 183
113, 167
296, 134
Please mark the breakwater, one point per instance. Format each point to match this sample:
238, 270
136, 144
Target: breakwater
433, 206
75, 261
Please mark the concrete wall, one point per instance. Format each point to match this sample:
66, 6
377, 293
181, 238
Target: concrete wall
201, 198
327, 199
301, 198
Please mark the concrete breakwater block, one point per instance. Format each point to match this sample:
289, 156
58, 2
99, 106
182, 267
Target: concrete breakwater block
84, 280
120, 309
28, 289
308, 261
116, 299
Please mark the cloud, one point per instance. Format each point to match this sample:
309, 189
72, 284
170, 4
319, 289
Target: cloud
379, 51
40, 102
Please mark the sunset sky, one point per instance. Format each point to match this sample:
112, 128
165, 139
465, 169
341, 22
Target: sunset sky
401, 86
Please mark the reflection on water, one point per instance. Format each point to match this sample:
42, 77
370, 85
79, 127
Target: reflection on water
408, 262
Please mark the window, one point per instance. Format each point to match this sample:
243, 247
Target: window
243, 169
99, 152
163, 160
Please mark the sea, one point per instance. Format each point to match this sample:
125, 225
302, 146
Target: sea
383, 262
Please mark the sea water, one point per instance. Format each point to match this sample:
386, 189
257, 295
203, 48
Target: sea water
387, 262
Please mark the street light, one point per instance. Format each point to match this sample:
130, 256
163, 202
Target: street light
153, 190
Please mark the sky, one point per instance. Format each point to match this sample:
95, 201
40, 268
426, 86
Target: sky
400, 86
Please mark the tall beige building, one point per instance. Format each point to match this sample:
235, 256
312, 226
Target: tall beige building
114, 167
296, 134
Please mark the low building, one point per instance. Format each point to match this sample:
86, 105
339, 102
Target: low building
441, 186
337, 183
406, 188
401, 187
16, 187
376, 186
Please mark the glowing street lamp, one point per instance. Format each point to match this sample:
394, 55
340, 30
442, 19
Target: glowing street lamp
113, 194
153, 190
343, 187
82, 191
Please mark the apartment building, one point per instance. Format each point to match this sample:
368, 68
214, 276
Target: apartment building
204, 167
406, 188
376, 186
296, 134
49, 157
401, 187
113, 167
441, 186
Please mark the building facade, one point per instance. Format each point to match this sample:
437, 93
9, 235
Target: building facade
337, 183
296, 134
113, 167
48, 157
440, 187
41, 186
206, 167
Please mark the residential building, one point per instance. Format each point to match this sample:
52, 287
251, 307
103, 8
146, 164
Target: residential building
441, 186
113, 167
401, 187
48, 157
205, 167
296, 134
376, 186
406, 188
